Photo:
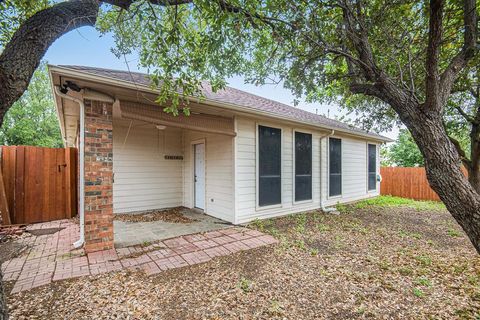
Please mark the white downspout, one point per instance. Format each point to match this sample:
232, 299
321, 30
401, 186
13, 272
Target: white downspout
322, 203
93, 95
80, 241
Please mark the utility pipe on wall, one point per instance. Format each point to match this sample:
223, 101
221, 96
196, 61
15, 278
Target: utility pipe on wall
91, 95
322, 203
81, 105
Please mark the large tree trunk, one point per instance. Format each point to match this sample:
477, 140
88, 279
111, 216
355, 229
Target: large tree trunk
3, 304
28, 45
444, 173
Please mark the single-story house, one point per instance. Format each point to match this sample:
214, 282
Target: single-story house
237, 157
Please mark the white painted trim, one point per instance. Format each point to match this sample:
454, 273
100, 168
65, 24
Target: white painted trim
377, 153
294, 163
340, 196
257, 178
192, 166
234, 169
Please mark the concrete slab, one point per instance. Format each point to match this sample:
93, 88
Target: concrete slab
134, 233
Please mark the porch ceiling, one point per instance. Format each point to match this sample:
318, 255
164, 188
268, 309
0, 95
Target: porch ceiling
195, 121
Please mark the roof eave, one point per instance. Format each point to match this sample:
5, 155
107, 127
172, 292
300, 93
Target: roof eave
231, 106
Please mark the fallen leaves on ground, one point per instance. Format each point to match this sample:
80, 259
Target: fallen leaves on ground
174, 215
382, 263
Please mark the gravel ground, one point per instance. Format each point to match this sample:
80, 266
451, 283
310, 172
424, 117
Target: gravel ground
376, 262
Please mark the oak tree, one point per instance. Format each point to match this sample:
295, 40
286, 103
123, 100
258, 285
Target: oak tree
400, 58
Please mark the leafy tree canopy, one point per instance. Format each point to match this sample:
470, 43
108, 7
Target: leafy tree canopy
32, 120
405, 152
405, 60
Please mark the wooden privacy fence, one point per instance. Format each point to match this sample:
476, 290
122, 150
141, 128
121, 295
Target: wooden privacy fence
406, 183
40, 183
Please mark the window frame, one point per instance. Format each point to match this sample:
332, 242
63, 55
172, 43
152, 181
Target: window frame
294, 167
257, 167
376, 167
338, 196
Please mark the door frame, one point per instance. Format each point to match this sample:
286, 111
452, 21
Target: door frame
193, 143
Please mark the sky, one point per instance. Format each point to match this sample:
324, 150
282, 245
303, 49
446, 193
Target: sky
85, 46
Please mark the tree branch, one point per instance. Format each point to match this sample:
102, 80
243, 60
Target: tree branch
463, 157
448, 77
465, 115
23, 52
433, 52
125, 4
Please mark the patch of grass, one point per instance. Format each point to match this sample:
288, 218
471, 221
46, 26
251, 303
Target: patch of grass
424, 260
355, 226
453, 233
418, 293
390, 201
266, 225
301, 220
300, 244
473, 280
361, 310
342, 208
276, 308
384, 265
245, 285
323, 227
460, 267
314, 252
405, 271
406, 234
423, 281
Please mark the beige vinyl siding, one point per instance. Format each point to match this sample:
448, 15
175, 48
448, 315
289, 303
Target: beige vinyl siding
219, 197
143, 178
354, 171
246, 177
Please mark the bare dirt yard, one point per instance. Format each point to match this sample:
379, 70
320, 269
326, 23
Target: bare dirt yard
386, 258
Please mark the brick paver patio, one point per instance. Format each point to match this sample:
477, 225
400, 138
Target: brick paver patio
51, 257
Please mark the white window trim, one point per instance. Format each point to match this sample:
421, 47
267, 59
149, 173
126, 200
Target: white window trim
257, 171
377, 153
340, 196
295, 202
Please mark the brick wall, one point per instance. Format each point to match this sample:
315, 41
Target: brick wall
98, 176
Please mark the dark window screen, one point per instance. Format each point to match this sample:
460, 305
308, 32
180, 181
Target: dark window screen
372, 167
269, 166
335, 165
303, 166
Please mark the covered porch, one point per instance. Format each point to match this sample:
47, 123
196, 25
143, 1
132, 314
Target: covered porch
138, 158
165, 161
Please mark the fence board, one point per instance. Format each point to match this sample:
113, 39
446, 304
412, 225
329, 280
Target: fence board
40, 183
409, 183
8, 163
4, 212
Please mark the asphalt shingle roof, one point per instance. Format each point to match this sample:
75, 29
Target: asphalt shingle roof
236, 97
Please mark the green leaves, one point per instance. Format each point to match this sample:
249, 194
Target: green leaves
32, 120
404, 152
15, 12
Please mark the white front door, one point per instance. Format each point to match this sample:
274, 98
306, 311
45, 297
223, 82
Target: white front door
199, 175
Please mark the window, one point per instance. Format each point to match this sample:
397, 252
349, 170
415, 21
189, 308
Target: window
335, 167
269, 166
372, 167
303, 166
